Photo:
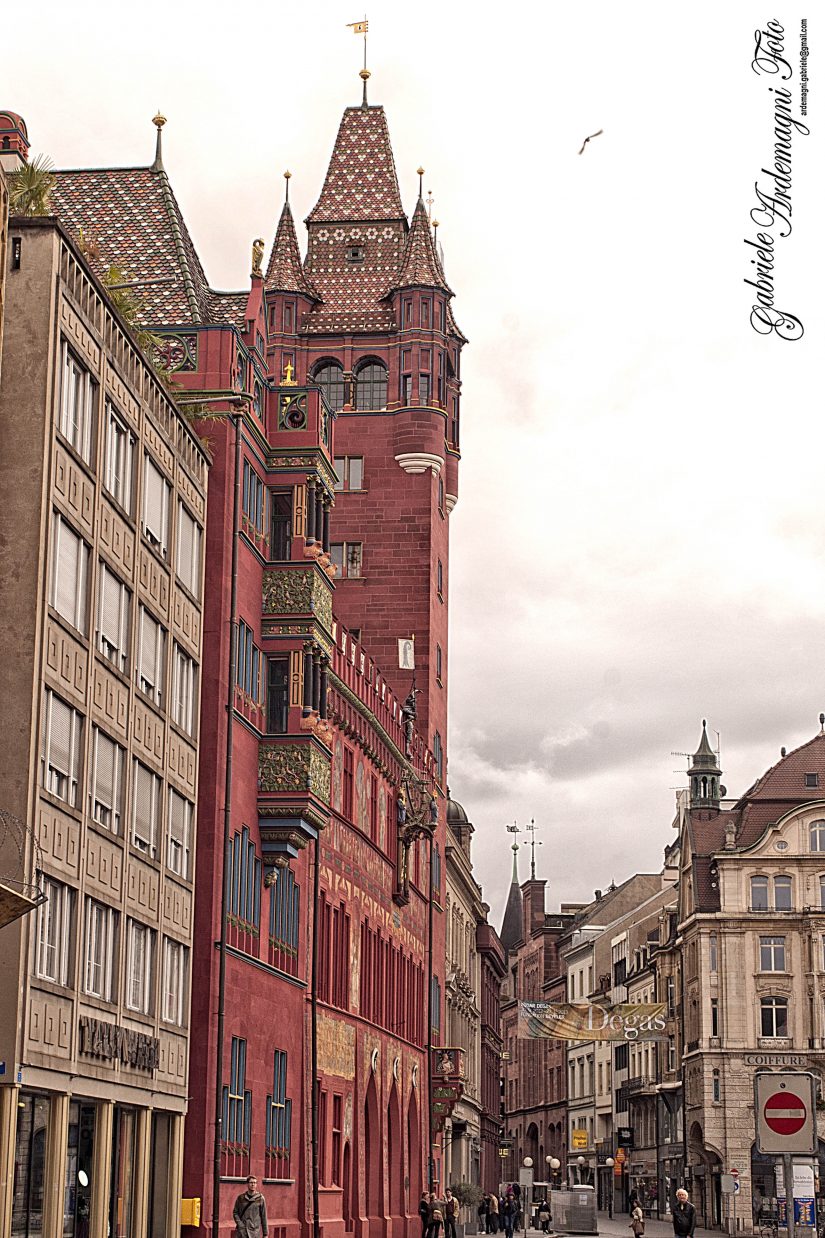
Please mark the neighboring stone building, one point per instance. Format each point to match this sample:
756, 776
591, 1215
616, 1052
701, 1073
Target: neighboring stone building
464, 912
534, 1079
101, 536
332, 389
752, 935
493, 971
14, 149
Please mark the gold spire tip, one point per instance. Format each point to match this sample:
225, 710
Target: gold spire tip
420, 171
159, 120
364, 74
287, 175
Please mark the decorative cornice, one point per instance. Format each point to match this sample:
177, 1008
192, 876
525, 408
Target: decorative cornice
419, 462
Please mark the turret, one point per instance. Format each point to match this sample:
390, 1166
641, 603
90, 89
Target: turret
705, 788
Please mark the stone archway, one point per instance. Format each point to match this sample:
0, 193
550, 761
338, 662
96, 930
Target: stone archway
395, 1157
413, 1155
373, 1160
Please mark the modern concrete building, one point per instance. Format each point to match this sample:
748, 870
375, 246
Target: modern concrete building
101, 533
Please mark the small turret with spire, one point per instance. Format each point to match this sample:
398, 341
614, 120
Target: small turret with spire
706, 790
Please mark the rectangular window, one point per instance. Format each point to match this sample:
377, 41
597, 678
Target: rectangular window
253, 498
337, 1129
248, 668
438, 755
714, 1016
62, 734
100, 969
237, 1100
140, 948
373, 807
175, 969
279, 1120
184, 690
782, 894
179, 834
620, 1058
812, 780
350, 470
77, 405
113, 609
717, 1087
348, 778
772, 954
277, 720
426, 311
348, 559
119, 465
289, 316
243, 874
55, 931
438, 668
155, 520
423, 388
280, 524
284, 919
774, 1017
106, 792
713, 951
408, 313
406, 389
70, 573
146, 808
188, 567
151, 657
440, 580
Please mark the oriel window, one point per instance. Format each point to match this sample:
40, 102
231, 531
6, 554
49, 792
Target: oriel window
278, 696
280, 506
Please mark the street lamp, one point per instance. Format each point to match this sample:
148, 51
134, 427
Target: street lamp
610, 1163
526, 1201
555, 1166
581, 1162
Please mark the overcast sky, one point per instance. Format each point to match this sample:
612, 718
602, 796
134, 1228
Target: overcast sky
639, 540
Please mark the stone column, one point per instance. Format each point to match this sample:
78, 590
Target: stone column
102, 1170
54, 1184
9, 1096
319, 514
140, 1196
322, 703
311, 509
175, 1187
308, 685
316, 682
327, 512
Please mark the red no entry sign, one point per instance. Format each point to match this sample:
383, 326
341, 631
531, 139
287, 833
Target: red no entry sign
785, 1108
785, 1113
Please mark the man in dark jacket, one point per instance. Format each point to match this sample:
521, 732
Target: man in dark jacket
249, 1213
684, 1216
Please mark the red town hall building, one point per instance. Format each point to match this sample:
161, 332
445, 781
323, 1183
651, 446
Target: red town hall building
328, 396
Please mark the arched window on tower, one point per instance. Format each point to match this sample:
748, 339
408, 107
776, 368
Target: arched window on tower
329, 376
371, 385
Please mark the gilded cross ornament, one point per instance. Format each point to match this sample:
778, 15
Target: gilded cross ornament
288, 380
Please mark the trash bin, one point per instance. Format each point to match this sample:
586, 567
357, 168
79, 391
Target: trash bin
574, 1210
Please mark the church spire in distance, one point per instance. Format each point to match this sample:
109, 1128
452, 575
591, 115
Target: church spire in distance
704, 773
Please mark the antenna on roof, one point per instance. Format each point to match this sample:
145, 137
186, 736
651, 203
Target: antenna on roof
531, 830
822, 724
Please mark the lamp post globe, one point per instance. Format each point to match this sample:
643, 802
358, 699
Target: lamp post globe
528, 1162
554, 1162
610, 1162
580, 1161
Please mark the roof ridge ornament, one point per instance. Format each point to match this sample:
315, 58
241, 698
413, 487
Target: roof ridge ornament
158, 120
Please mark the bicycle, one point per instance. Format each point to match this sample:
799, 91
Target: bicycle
769, 1228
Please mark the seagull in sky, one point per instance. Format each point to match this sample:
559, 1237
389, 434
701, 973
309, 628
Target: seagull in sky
592, 135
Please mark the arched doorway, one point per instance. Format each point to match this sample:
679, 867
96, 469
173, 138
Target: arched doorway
705, 1164
346, 1186
395, 1158
413, 1155
373, 1168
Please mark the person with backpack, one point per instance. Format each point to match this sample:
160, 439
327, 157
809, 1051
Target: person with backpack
249, 1213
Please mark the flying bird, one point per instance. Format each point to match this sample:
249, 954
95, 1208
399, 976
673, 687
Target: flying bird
592, 135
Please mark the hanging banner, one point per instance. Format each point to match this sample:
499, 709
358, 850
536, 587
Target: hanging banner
588, 1021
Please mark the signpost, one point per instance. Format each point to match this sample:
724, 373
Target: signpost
785, 1108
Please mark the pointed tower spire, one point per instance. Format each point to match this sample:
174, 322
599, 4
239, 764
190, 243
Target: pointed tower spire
704, 774
420, 266
512, 926
158, 120
285, 272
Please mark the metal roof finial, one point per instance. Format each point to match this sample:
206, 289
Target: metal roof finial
158, 120
287, 178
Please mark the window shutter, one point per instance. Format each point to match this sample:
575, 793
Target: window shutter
60, 736
67, 549
110, 591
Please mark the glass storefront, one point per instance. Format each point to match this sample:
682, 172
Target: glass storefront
123, 1173
29, 1165
79, 1168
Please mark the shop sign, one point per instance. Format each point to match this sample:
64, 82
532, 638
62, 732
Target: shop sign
579, 1139
113, 1043
626, 1021
624, 1136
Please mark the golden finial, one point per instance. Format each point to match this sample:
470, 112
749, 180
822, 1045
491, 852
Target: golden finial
420, 174
435, 224
365, 76
158, 120
287, 178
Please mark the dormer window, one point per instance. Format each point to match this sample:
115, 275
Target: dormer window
812, 780
355, 253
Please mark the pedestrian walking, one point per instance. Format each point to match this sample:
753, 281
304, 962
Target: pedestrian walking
544, 1216
483, 1227
436, 1221
424, 1214
508, 1215
249, 1213
684, 1216
637, 1220
450, 1214
493, 1214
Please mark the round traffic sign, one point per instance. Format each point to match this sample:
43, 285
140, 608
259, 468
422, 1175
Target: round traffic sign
785, 1113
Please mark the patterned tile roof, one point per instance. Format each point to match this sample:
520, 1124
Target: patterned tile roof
361, 181
419, 264
285, 272
130, 218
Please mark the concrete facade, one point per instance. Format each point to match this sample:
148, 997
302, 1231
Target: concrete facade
101, 622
